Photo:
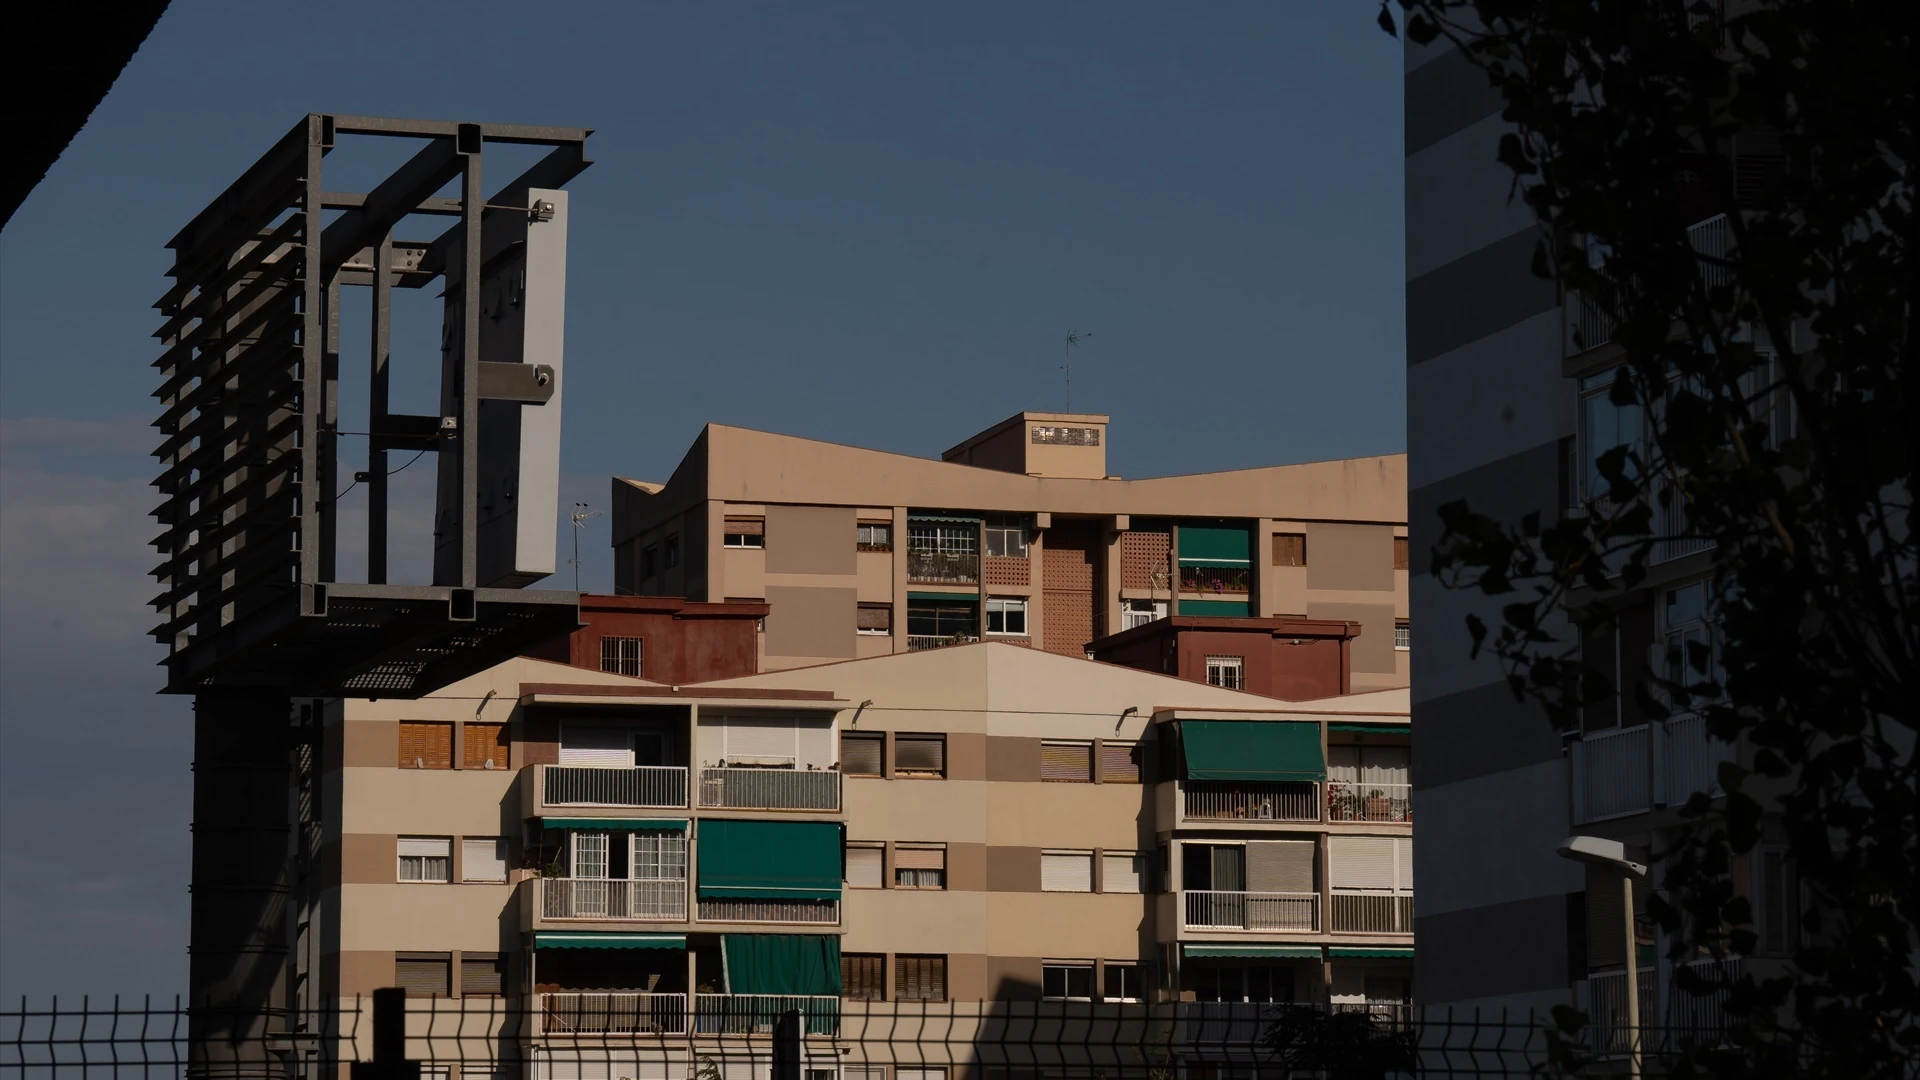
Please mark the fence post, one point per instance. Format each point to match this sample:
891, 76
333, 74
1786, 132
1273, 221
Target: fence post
389, 1040
787, 1036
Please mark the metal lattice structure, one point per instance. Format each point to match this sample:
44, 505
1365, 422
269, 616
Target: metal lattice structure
249, 391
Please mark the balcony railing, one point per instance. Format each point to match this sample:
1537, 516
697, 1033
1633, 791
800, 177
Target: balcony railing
1671, 1019
943, 567
1588, 327
1224, 800
769, 789
917, 642
754, 1014
1700, 1019
1364, 912
1233, 580
1690, 760
1607, 1027
1385, 1015
1369, 802
1671, 522
1610, 774
591, 898
1212, 909
662, 787
612, 1014
770, 911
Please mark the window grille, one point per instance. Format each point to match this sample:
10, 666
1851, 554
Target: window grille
1227, 671
620, 656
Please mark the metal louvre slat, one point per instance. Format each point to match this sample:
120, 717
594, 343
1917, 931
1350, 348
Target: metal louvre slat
1070, 762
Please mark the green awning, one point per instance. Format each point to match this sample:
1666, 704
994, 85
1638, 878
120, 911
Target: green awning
965, 597
553, 940
1294, 952
1201, 546
1378, 729
1252, 750
781, 963
615, 824
1232, 609
1364, 952
916, 515
769, 860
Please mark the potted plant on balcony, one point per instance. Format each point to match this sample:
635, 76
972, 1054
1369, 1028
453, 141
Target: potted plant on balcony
1379, 806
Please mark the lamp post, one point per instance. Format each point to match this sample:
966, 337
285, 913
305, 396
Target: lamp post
1612, 854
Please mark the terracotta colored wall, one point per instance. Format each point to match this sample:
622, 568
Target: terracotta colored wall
674, 649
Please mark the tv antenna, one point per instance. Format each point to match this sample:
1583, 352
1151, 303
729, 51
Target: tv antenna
1073, 338
581, 515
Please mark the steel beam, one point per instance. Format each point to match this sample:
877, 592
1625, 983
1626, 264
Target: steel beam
396, 196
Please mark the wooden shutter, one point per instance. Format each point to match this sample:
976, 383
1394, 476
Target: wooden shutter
874, 617
482, 974
1280, 866
863, 976
920, 754
861, 755
1289, 549
920, 978
865, 867
1119, 762
484, 746
1400, 559
424, 973
1361, 862
483, 859
1120, 872
920, 858
1068, 762
425, 745
1066, 871
746, 526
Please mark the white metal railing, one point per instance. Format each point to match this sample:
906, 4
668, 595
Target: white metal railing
754, 1014
593, 898
1691, 760
1587, 326
1215, 909
917, 642
612, 1013
769, 789
1713, 238
942, 567
1388, 1015
770, 911
1610, 774
1607, 1009
1349, 801
1225, 800
1356, 911
653, 786
1671, 522
1700, 1019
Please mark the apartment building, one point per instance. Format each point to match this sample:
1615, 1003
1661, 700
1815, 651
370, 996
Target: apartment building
982, 823
1508, 409
1019, 535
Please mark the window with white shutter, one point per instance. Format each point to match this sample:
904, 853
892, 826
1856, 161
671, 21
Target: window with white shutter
1280, 866
1066, 762
483, 858
920, 866
862, 754
1121, 871
1374, 863
755, 741
1066, 871
596, 747
425, 858
865, 866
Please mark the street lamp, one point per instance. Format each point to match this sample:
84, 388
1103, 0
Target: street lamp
1612, 854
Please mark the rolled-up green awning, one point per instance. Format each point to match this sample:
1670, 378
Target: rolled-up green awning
1252, 750
1375, 952
555, 940
769, 860
1377, 729
795, 964
1294, 952
1203, 546
617, 824
1219, 609
960, 597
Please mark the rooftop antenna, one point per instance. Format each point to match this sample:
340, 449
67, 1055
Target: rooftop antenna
1073, 338
581, 515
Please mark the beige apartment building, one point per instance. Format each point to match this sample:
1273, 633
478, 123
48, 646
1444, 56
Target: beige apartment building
605, 856
1019, 534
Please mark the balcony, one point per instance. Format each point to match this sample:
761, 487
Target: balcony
1226, 580
1226, 800
607, 900
1587, 327
1212, 909
564, 1014
815, 912
1689, 760
926, 567
651, 787
917, 642
1383, 1015
770, 789
1369, 802
754, 1014
1632, 770
1371, 912
1671, 1019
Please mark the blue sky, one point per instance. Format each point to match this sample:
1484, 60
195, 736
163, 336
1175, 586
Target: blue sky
869, 223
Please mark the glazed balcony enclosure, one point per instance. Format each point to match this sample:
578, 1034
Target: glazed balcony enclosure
623, 984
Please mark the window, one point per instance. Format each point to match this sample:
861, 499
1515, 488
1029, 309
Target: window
1119, 762
943, 537
920, 978
1691, 651
1401, 561
1121, 871
649, 562
866, 866
861, 753
657, 856
875, 619
483, 746
1776, 891
863, 976
1289, 549
874, 536
1402, 635
1227, 671
1007, 537
620, 655
1141, 612
483, 858
920, 866
1007, 616
424, 974
744, 533
941, 622
673, 551
482, 974
1066, 762
920, 755
1604, 427
1067, 981
425, 745
1122, 982
425, 858
1066, 871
